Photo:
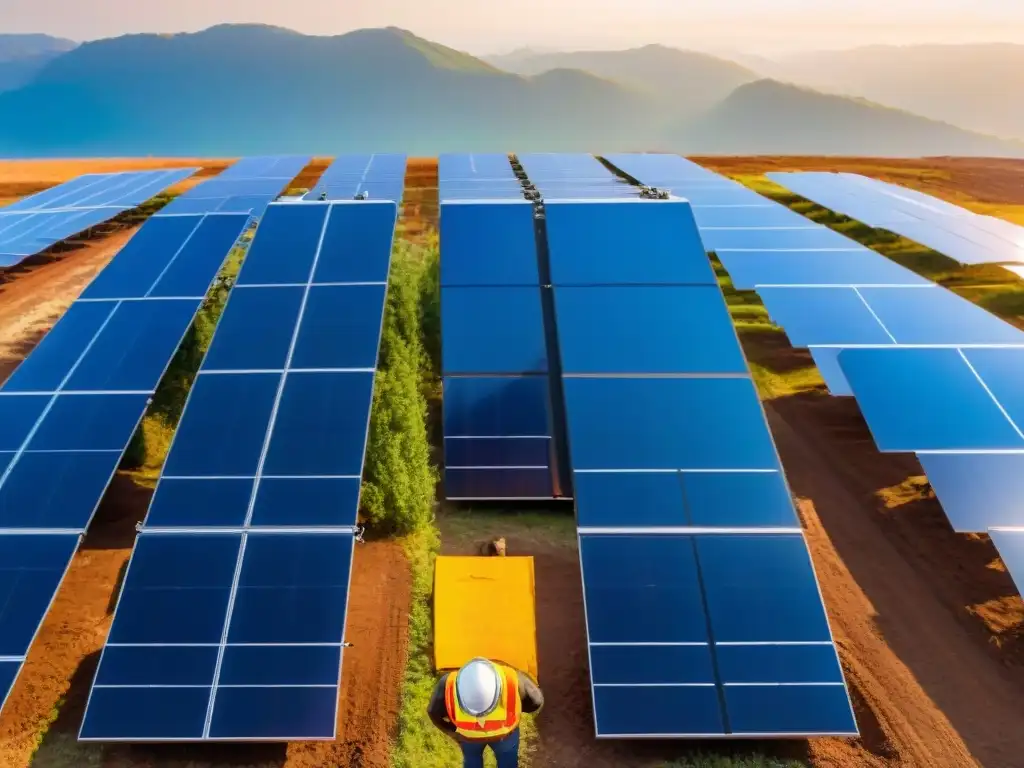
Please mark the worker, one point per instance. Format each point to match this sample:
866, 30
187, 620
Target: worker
480, 705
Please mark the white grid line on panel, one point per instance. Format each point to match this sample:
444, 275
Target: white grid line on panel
989, 392
874, 315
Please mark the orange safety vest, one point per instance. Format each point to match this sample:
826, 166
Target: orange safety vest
502, 721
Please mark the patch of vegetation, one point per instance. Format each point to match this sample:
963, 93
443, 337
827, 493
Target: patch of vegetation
398, 479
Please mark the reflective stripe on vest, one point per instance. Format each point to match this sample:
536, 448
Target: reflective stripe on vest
503, 720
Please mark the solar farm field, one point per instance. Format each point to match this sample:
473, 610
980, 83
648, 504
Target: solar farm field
927, 623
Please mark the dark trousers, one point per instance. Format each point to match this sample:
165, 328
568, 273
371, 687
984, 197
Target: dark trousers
506, 752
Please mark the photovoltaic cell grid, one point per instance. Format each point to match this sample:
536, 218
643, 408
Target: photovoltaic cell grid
378, 176
949, 229
231, 621
831, 301
703, 612
248, 186
35, 223
477, 177
497, 416
68, 412
573, 176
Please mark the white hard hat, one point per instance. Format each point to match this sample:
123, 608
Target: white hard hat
478, 686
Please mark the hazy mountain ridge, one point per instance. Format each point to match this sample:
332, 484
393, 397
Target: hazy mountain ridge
22, 57
789, 119
237, 89
979, 87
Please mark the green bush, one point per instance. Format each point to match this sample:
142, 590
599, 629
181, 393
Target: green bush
398, 479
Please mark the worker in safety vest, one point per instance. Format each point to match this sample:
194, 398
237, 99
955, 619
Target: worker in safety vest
481, 705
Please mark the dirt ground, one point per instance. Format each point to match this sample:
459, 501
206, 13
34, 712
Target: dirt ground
928, 623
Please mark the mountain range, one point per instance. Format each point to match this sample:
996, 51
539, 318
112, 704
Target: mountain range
241, 89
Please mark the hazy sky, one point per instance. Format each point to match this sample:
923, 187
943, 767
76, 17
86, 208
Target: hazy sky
495, 26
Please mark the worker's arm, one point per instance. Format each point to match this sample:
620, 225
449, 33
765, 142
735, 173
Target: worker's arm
530, 694
437, 710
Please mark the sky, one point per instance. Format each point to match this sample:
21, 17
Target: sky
498, 26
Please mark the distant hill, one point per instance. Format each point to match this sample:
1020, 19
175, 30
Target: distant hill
980, 87
769, 117
691, 82
245, 88
22, 57
27, 46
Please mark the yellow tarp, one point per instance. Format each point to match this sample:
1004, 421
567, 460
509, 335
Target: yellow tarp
485, 606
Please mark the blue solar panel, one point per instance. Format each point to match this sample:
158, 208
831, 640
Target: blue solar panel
134, 347
488, 244
494, 406
645, 242
493, 330
650, 642
751, 269
646, 329
901, 413
138, 265
227, 419
1002, 370
747, 216
341, 327
824, 316
31, 567
977, 490
357, 244
292, 229
88, 422
55, 490
201, 257
811, 236
35, 223
937, 316
321, 424
255, 331
260, 451
696, 424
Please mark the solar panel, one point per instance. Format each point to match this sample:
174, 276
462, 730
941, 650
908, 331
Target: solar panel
248, 187
70, 409
976, 390
242, 565
703, 613
35, 223
949, 229
378, 176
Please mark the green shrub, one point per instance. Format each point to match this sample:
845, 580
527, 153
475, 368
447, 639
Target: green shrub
398, 479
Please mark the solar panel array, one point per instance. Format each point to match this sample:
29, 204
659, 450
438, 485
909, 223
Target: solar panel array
35, 223
477, 177
494, 359
231, 620
378, 177
703, 612
962, 235
895, 327
68, 412
573, 176
248, 186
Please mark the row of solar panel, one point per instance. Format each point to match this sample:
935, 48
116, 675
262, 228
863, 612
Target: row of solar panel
697, 636
254, 512
61, 448
376, 177
497, 429
954, 231
39, 222
248, 186
823, 303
